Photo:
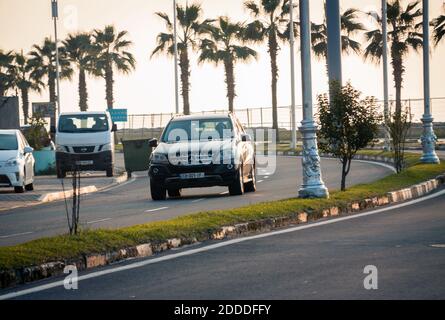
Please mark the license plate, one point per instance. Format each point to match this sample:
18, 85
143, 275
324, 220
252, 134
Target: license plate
195, 175
84, 162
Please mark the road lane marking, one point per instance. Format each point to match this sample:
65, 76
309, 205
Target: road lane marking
225, 192
197, 200
259, 181
266, 177
16, 235
97, 221
157, 209
210, 247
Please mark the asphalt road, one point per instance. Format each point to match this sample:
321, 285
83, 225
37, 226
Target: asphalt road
325, 260
129, 203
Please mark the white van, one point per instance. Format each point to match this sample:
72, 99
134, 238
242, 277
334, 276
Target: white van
84, 141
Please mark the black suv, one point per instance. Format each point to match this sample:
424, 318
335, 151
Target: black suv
202, 151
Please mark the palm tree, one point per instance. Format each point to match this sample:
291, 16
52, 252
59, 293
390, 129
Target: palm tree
190, 29
271, 25
24, 82
350, 26
43, 63
81, 53
403, 35
112, 55
223, 46
6, 79
439, 29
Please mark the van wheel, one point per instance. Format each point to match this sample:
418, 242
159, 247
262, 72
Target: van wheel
251, 185
157, 191
29, 187
237, 187
19, 189
110, 172
174, 193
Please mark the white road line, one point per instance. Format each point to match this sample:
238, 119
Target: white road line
225, 192
133, 179
97, 221
157, 209
15, 235
259, 181
215, 246
266, 177
197, 200
388, 166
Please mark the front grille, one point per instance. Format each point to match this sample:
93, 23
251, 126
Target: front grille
83, 149
4, 179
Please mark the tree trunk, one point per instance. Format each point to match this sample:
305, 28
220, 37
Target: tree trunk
109, 85
230, 81
184, 64
25, 104
344, 163
273, 52
83, 93
398, 71
52, 89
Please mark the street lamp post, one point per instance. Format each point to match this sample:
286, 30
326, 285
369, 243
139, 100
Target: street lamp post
387, 146
292, 77
313, 186
334, 41
55, 15
428, 137
176, 58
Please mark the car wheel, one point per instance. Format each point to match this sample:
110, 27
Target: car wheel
174, 193
110, 172
237, 187
251, 185
29, 187
157, 191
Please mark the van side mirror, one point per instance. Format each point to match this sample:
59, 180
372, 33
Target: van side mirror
52, 129
114, 127
27, 150
246, 138
153, 142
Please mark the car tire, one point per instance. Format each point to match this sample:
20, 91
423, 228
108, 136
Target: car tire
237, 186
110, 172
158, 192
251, 185
174, 193
29, 187
61, 174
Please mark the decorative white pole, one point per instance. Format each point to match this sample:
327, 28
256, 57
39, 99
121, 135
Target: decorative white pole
313, 186
334, 40
55, 15
292, 77
176, 58
387, 142
428, 138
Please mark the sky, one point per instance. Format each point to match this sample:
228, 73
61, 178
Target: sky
150, 88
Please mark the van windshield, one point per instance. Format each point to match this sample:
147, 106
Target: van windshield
8, 142
80, 123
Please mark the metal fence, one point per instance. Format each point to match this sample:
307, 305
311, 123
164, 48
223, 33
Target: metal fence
151, 125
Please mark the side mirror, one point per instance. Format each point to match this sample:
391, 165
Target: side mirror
114, 127
28, 149
53, 129
153, 142
246, 138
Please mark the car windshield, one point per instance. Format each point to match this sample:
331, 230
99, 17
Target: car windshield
8, 142
83, 123
198, 130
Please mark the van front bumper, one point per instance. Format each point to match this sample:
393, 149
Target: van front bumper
99, 161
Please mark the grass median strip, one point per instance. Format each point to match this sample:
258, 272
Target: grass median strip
200, 225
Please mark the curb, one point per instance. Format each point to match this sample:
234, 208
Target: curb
382, 159
13, 277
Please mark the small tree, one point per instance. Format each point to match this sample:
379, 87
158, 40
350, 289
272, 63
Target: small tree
37, 135
398, 124
347, 124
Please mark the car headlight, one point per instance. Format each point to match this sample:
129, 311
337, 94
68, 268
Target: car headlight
61, 148
159, 158
13, 162
105, 147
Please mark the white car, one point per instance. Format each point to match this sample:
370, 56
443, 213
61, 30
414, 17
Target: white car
16, 161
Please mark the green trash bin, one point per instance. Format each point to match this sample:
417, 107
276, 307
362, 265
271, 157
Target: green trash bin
136, 155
